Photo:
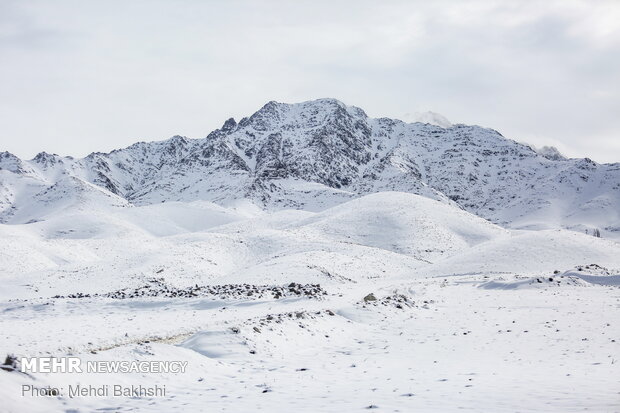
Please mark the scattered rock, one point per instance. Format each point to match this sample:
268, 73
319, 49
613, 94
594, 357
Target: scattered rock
369, 298
10, 363
156, 287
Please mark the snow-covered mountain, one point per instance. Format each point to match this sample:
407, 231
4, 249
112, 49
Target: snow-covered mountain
317, 154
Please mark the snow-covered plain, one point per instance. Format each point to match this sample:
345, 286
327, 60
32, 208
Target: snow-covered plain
465, 315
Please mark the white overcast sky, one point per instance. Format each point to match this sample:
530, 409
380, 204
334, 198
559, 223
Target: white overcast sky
82, 76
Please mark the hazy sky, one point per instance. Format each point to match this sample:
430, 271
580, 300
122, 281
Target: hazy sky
82, 76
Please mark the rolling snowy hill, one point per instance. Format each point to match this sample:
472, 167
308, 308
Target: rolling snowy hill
193, 281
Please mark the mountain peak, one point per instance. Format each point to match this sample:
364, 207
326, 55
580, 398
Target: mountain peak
46, 159
551, 153
12, 163
229, 125
178, 139
429, 117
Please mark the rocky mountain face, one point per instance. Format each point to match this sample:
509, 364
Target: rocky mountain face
316, 154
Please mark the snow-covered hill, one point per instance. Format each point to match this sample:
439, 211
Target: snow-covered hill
317, 154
